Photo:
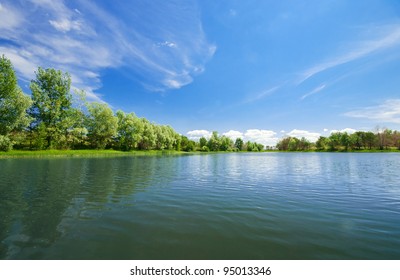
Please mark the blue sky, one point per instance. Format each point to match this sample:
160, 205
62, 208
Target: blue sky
260, 70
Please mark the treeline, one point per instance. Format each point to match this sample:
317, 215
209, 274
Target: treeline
52, 118
385, 139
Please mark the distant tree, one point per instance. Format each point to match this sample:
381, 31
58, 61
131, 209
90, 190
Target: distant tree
355, 140
130, 130
187, 145
369, 139
283, 144
149, 137
344, 140
226, 144
239, 144
335, 141
214, 142
51, 101
202, 142
13, 105
294, 144
304, 144
260, 147
102, 125
322, 143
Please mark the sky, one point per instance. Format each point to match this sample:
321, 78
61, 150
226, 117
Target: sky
259, 70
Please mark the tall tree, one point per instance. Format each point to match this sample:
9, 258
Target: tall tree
102, 125
51, 101
239, 144
13, 104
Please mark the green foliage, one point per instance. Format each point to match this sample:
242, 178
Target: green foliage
52, 101
57, 120
342, 141
13, 102
202, 142
214, 142
239, 144
5, 143
102, 125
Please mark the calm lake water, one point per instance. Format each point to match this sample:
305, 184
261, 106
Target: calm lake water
216, 206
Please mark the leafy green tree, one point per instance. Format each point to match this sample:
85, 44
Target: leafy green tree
369, 139
13, 104
51, 101
102, 125
130, 130
239, 144
260, 147
356, 140
226, 144
149, 137
214, 142
345, 140
335, 141
187, 145
293, 144
283, 144
202, 142
323, 143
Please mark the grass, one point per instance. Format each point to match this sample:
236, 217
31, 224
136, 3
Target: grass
114, 153
82, 153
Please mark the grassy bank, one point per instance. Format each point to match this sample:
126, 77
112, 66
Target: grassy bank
83, 153
114, 153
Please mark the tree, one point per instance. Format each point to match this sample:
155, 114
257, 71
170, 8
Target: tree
239, 144
226, 144
187, 145
214, 142
322, 143
51, 101
356, 139
202, 142
149, 137
130, 130
102, 125
334, 141
369, 139
13, 104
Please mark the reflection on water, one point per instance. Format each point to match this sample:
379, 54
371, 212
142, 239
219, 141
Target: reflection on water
219, 206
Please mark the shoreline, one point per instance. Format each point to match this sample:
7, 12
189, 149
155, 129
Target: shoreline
116, 153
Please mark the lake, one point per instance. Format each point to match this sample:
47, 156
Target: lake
207, 206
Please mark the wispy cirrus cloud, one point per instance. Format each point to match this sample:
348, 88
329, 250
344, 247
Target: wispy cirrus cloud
314, 91
387, 112
160, 44
386, 36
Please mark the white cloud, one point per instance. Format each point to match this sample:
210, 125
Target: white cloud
265, 137
65, 25
326, 130
87, 38
10, 18
388, 112
347, 130
388, 36
197, 134
314, 91
233, 134
310, 136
